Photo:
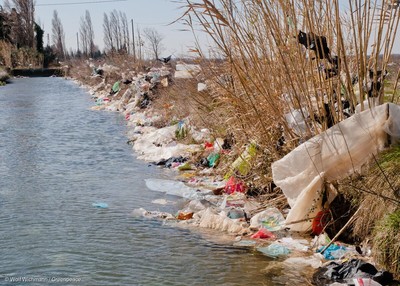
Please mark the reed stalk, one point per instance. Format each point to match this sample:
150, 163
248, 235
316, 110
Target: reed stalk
271, 75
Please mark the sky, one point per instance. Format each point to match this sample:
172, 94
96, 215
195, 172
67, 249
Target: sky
156, 14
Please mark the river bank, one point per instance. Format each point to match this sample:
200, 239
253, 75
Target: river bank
216, 201
4, 77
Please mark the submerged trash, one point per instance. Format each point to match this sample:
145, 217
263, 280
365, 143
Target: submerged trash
274, 250
161, 202
246, 243
100, 205
176, 188
220, 221
141, 212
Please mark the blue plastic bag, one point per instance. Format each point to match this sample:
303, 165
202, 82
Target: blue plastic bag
333, 251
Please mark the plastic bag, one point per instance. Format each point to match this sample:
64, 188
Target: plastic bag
264, 234
100, 205
333, 251
234, 185
115, 88
184, 216
213, 159
271, 219
274, 250
320, 221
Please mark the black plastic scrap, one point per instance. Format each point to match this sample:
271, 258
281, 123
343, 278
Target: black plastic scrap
168, 162
165, 60
354, 268
316, 43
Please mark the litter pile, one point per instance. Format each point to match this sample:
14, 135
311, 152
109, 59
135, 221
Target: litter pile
223, 203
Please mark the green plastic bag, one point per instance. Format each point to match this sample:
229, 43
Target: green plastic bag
115, 87
213, 159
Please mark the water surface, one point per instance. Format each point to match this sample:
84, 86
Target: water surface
57, 158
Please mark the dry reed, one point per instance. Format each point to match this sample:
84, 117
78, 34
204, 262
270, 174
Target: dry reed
263, 75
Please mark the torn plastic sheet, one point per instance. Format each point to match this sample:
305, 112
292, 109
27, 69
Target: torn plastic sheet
331, 155
176, 188
208, 218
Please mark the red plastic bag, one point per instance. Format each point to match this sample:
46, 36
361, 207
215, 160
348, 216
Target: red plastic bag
320, 221
208, 145
234, 185
264, 234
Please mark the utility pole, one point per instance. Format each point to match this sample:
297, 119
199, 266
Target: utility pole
133, 41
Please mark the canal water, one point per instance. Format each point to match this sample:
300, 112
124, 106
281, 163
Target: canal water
57, 159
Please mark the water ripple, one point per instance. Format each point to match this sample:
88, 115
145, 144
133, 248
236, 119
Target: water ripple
57, 158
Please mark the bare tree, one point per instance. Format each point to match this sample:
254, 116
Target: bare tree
125, 32
108, 37
140, 42
154, 39
23, 22
87, 35
58, 36
116, 29
116, 32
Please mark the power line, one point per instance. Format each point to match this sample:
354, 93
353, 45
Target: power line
78, 3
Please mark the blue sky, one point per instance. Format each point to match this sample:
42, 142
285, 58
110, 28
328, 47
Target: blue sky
155, 14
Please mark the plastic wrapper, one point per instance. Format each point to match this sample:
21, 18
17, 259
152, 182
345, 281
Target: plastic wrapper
331, 155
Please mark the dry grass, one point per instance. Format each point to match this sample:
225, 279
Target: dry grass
387, 242
261, 72
12, 57
5, 54
379, 193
